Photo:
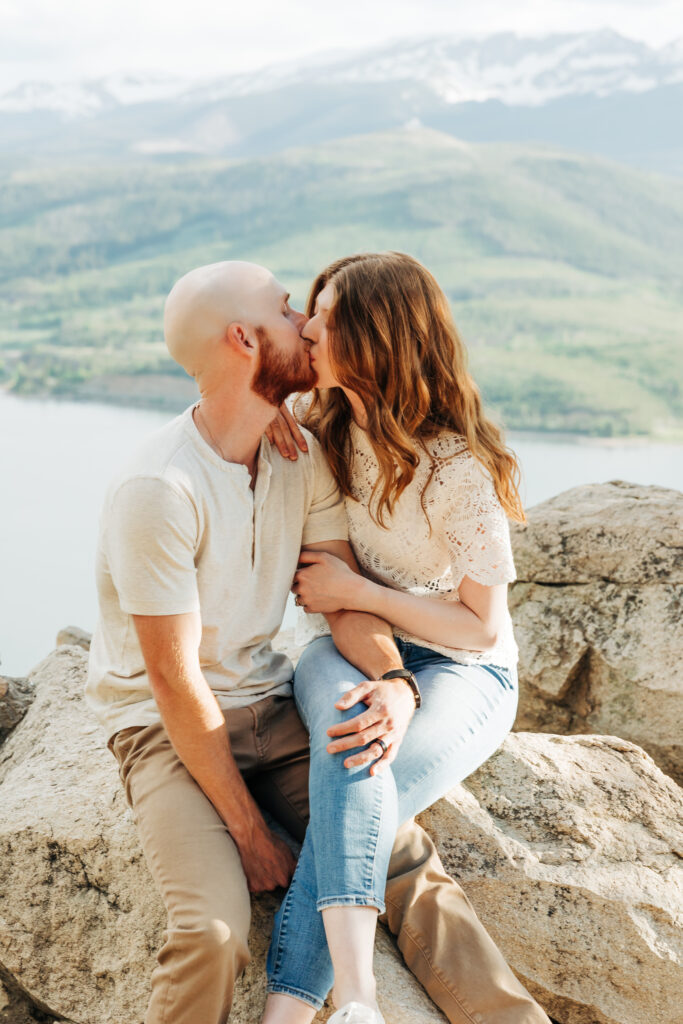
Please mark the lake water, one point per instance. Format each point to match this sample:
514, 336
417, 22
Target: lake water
57, 457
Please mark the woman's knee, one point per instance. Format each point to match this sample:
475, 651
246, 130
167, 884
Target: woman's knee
321, 677
320, 659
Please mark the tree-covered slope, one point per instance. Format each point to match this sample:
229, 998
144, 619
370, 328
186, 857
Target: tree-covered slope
565, 272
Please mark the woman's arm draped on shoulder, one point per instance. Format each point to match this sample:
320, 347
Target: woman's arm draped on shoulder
284, 431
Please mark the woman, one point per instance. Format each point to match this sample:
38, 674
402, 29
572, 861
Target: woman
428, 483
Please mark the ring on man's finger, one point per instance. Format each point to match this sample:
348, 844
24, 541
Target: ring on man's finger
382, 745
297, 601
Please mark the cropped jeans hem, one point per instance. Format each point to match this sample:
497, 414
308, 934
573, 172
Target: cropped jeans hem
275, 988
467, 710
352, 901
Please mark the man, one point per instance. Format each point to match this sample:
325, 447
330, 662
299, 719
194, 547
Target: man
199, 544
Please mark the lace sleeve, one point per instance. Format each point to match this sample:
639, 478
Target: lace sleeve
299, 403
475, 525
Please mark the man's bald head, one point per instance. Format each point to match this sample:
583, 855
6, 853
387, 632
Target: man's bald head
202, 305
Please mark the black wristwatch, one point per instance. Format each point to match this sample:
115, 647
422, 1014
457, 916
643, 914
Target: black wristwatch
404, 673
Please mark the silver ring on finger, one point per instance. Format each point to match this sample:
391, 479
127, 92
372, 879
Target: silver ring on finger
297, 601
382, 745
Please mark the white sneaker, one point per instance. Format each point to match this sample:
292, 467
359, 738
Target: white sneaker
356, 1013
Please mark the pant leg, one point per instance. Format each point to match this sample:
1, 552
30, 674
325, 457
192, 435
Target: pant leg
444, 943
298, 959
353, 813
423, 936
467, 710
440, 936
298, 962
196, 867
281, 783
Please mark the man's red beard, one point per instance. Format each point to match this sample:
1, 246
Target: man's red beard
279, 375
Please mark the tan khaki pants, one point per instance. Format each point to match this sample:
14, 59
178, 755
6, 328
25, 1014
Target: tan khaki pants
197, 869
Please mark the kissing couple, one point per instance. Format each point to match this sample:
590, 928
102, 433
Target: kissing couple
382, 501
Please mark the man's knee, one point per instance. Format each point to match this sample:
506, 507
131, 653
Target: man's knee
220, 940
216, 943
197, 968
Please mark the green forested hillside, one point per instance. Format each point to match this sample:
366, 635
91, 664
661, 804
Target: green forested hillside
565, 272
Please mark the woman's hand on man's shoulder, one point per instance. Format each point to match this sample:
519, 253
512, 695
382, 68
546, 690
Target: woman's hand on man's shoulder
285, 434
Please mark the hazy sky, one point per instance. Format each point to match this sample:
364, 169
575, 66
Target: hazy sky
71, 39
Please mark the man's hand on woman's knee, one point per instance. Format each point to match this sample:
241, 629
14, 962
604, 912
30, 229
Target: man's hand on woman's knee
391, 706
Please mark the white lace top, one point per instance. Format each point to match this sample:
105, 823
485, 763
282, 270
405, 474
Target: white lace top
469, 537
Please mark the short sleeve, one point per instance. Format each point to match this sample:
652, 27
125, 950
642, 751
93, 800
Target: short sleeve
151, 539
299, 403
476, 527
326, 517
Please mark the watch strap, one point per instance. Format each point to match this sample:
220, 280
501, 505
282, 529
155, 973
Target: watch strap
405, 673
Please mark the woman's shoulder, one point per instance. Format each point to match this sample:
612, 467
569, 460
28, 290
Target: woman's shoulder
456, 474
299, 403
446, 446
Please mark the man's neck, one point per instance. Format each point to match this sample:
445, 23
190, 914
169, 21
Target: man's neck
233, 425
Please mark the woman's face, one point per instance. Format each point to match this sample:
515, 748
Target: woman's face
317, 333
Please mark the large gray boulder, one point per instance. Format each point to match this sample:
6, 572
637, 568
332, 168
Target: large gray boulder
567, 846
598, 614
621, 532
80, 920
571, 850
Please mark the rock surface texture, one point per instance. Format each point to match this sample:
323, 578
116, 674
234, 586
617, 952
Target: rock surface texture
74, 636
80, 920
15, 699
568, 847
571, 850
598, 614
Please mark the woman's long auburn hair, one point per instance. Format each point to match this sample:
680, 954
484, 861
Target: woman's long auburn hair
394, 343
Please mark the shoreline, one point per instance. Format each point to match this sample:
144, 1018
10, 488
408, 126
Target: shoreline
178, 399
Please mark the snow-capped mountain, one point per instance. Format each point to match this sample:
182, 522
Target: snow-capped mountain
595, 91
506, 67
83, 99
517, 71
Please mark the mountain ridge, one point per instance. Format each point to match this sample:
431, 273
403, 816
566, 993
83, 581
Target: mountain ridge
458, 69
598, 93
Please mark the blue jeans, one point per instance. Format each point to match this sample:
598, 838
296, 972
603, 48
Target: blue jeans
467, 710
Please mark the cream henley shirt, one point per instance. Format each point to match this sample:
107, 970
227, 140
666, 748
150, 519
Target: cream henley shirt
182, 531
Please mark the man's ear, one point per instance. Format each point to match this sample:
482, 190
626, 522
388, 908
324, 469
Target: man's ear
239, 338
